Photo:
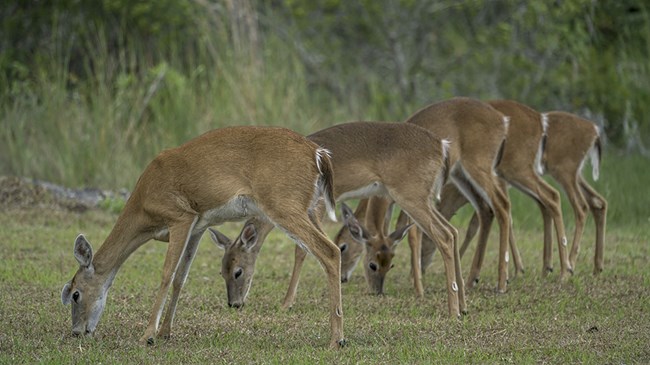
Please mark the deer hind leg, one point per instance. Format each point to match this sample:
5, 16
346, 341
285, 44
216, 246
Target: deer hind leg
547, 264
299, 258
310, 236
549, 202
420, 209
485, 217
179, 235
598, 206
580, 207
486, 185
516, 256
179, 280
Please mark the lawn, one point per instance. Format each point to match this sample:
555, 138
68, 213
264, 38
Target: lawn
602, 319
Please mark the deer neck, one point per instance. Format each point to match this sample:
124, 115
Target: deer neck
127, 235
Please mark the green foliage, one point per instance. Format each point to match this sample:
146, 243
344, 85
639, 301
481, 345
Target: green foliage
113, 205
91, 88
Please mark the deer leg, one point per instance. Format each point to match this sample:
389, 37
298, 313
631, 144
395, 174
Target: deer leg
451, 200
415, 244
547, 258
309, 235
179, 235
551, 199
579, 205
598, 207
516, 256
485, 217
487, 186
443, 234
472, 228
179, 280
299, 259
428, 249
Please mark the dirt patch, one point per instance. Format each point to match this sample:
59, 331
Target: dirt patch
17, 192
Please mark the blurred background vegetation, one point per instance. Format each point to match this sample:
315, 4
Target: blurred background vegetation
90, 91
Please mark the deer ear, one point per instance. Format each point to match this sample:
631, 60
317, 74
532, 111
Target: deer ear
249, 237
219, 238
352, 223
399, 234
346, 211
83, 252
65, 294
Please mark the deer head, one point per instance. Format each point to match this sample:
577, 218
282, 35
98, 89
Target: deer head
238, 263
380, 248
86, 292
351, 251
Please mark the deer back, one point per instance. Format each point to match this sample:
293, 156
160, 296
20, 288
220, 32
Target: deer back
475, 129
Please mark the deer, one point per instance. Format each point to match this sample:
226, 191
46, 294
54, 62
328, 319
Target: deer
271, 174
372, 159
570, 141
477, 132
519, 165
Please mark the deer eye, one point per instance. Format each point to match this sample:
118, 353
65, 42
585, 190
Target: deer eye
343, 247
75, 296
372, 266
238, 272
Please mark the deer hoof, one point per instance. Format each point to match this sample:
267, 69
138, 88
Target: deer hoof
150, 341
342, 343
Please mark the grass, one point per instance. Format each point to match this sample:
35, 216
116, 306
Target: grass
603, 319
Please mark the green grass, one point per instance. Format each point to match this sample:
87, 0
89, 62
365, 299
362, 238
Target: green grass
603, 319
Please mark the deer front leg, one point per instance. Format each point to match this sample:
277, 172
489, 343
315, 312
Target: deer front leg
299, 259
179, 234
179, 280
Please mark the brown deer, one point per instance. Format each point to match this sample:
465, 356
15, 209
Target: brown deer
570, 139
229, 174
519, 165
476, 132
400, 161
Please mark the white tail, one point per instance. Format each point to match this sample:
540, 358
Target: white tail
324, 185
539, 165
594, 156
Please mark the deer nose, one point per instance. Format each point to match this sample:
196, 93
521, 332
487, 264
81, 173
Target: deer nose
344, 279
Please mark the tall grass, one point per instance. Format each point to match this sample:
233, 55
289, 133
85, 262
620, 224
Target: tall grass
103, 128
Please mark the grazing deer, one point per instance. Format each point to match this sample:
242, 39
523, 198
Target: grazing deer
520, 166
477, 134
400, 161
569, 141
229, 174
